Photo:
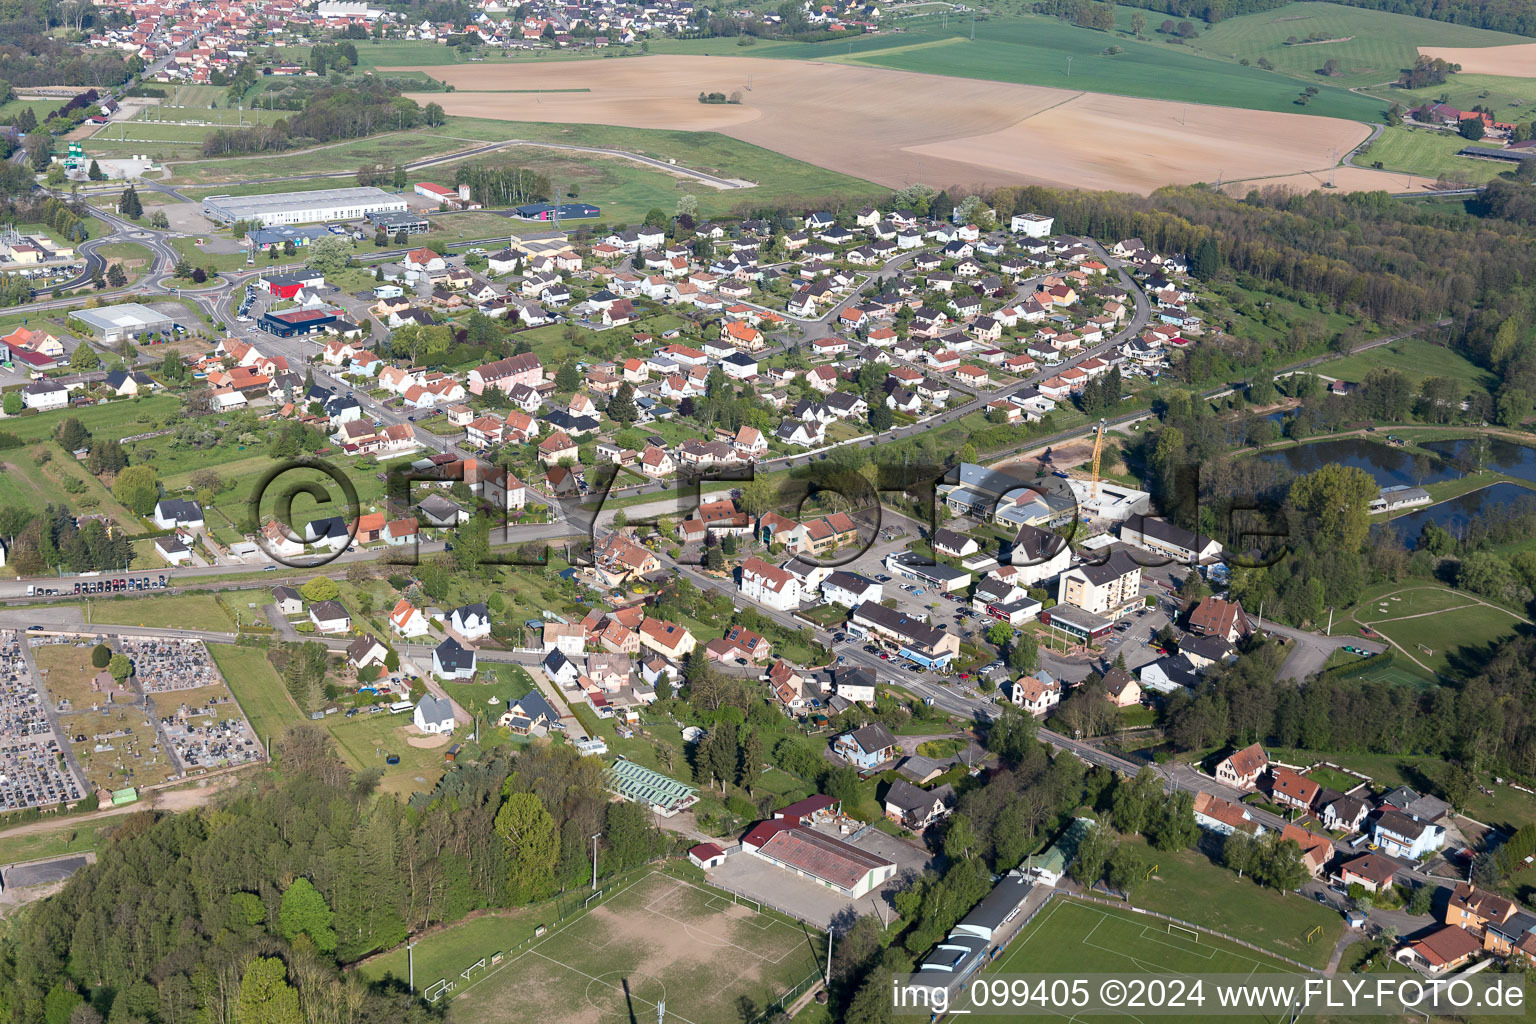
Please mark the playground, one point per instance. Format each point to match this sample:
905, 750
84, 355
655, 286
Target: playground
659, 940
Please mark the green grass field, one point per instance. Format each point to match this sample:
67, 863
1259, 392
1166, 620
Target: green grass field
1451, 636
1071, 937
26, 480
1415, 359
1186, 885
256, 685
56, 842
1370, 46
1432, 154
367, 741
779, 177
171, 611
660, 938
109, 419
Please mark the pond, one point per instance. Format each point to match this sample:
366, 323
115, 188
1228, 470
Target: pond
1453, 515
1516, 460
1386, 465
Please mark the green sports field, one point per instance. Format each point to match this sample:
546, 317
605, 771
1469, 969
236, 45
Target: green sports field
1071, 937
658, 939
1444, 640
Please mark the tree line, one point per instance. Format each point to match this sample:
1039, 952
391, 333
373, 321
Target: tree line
246, 910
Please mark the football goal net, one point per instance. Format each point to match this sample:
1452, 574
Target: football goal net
1184, 933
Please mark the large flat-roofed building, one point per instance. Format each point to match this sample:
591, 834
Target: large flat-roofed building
302, 207
126, 320
293, 322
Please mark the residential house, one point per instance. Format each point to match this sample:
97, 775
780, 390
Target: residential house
1243, 768
1404, 835
471, 621
867, 747
769, 585
434, 715
1292, 789
668, 639
329, 617
1036, 693
407, 620
913, 808
452, 660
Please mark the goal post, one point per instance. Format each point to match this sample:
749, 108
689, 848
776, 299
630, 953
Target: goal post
1183, 932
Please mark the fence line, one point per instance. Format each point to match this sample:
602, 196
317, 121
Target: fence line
795, 992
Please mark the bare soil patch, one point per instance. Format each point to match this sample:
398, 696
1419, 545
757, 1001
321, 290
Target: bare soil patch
428, 740
896, 127
1517, 60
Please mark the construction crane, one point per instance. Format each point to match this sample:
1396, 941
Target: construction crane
1098, 454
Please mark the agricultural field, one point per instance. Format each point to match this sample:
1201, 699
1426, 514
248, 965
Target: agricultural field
1032, 50
658, 939
1370, 46
895, 126
1071, 937
1431, 155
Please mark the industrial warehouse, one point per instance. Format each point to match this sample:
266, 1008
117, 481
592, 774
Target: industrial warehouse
330, 204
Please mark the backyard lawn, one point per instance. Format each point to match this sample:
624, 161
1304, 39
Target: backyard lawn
369, 740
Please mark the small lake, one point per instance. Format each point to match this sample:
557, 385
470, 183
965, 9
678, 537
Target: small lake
1453, 515
1388, 466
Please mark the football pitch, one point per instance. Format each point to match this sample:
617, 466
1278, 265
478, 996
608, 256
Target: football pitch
1072, 938
660, 939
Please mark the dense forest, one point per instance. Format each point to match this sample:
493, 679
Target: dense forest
245, 911
1497, 15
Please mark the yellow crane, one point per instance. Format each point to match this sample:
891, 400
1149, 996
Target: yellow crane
1098, 454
